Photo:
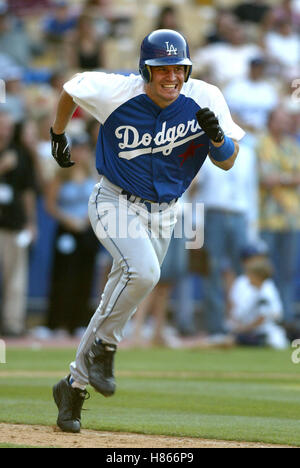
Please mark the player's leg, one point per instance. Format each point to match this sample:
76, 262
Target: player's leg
69, 393
135, 272
132, 278
69, 402
126, 287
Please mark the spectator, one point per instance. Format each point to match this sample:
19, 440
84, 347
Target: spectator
223, 22
167, 18
15, 42
84, 47
5, 11
289, 100
230, 222
256, 306
254, 11
282, 47
101, 12
26, 139
59, 22
43, 147
279, 170
17, 228
103, 8
75, 245
12, 75
288, 11
251, 99
111, 19
236, 51
29, 7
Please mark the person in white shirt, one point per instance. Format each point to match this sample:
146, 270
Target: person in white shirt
256, 307
251, 99
227, 60
283, 47
230, 223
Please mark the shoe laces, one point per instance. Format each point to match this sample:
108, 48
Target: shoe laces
80, 396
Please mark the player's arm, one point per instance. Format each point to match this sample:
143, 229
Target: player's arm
59, 142
223, 150
65, 109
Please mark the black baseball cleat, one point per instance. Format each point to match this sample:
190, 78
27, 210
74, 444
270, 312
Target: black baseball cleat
69, 402
100, 364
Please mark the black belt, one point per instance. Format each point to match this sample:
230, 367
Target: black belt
134, 198
150, 205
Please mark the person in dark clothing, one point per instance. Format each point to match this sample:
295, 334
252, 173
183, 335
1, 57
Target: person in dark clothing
84, 46
221, 28
168, 18
75, 244
72, 278
17, 227
254, 11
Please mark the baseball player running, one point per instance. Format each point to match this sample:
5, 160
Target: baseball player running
156, 130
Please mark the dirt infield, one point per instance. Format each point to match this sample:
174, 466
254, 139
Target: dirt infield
45, 436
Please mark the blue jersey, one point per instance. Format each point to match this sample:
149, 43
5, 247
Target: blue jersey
150, 152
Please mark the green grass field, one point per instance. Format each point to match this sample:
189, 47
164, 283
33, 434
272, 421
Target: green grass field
238, 394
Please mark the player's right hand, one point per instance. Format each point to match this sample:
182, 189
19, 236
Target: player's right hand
60, 149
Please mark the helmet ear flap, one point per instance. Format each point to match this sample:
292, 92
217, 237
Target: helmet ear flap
187, 72
146, 73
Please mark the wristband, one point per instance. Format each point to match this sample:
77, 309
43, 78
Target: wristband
221, 153
57, 137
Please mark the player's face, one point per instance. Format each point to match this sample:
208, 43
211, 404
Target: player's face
166, 83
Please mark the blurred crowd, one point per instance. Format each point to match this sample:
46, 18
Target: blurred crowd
241, 287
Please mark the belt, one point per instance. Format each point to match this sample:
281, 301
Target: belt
150, 205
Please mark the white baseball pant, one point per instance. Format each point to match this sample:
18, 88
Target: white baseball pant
138, 241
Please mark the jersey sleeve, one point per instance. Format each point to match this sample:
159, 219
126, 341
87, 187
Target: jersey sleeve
99, 93
207, 95
221, 109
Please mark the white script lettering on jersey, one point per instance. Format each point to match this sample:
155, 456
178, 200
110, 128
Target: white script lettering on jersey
165, 140
171, 49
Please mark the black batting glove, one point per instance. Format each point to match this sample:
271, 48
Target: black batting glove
60, 149
210, 124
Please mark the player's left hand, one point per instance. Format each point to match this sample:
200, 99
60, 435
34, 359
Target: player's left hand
61, 149
210, 124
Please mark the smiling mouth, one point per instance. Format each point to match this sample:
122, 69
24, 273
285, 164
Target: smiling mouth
169, 86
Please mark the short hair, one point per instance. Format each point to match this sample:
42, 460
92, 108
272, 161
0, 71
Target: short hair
261, 267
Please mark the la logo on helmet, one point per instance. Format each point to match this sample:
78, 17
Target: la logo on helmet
171, 49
